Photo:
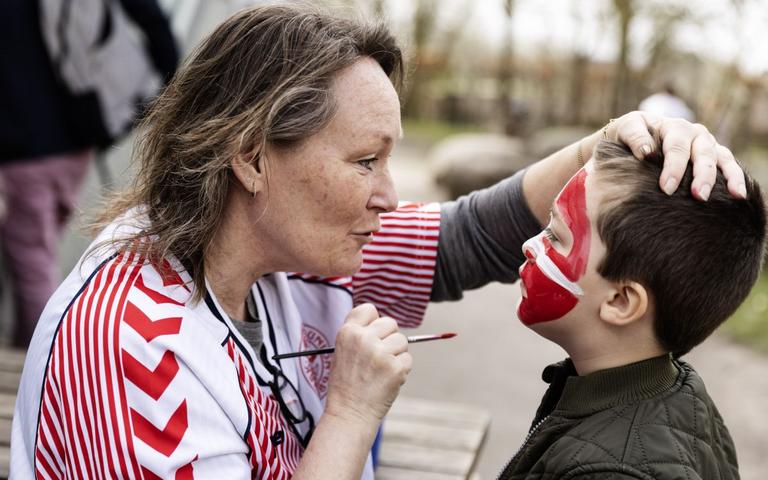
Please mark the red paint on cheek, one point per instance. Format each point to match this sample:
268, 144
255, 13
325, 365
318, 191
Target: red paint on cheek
544, 300
572, 206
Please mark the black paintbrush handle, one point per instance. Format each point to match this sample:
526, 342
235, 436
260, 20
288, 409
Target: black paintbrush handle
321, 351
303, 353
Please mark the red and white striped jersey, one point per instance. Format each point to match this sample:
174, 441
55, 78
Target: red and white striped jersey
126, 377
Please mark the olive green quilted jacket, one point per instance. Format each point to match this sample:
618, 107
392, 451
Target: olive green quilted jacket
648, 420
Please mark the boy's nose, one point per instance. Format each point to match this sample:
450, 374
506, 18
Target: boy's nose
529, 254
528, 250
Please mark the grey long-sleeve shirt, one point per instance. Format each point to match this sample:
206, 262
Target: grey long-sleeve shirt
481, 235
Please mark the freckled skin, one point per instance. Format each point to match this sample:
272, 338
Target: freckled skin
318, 195
544, 299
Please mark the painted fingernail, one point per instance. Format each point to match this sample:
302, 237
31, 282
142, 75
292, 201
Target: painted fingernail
646, 149
670, 186
704, 191
742, 190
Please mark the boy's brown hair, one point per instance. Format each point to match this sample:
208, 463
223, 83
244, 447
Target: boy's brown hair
698, 259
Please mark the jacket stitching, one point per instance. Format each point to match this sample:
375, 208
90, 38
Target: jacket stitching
579, 472
629, 433
674, 439
590, 442
645, 465
616, 415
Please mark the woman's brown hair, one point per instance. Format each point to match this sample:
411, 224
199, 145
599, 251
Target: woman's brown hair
262, 77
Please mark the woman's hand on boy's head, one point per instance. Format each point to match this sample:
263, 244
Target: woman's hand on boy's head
681, 141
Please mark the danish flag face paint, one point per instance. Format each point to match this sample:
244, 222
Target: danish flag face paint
550, 279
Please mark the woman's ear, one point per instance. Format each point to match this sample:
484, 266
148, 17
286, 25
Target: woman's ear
628, 303
249, 171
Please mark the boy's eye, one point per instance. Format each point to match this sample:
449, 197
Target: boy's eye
367, 163
550, 235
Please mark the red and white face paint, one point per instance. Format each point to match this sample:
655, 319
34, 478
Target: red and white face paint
549, 277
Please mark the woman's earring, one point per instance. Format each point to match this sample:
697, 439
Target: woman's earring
253, 188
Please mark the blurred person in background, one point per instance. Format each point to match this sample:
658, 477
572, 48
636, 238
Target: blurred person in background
667, 104
73, 75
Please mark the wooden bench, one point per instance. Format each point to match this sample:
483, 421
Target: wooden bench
422, 439
11, 362
430, 440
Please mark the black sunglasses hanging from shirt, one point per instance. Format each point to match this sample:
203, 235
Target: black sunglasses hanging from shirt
293, 409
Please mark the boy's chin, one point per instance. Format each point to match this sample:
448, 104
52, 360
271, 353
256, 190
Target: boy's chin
550, 328
519, 312
530, 316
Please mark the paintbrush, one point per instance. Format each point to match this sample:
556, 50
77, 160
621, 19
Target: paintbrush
321, 351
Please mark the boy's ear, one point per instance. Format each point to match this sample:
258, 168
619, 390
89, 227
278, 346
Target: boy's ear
249, 171
628, 303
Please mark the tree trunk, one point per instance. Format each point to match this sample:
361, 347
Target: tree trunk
625, 14
506, 71
579, 65
423, 23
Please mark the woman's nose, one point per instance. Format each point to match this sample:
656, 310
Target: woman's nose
384, 195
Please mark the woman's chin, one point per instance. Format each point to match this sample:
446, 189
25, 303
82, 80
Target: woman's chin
345, 268
351, 268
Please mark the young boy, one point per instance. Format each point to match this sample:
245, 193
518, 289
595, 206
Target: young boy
627, 279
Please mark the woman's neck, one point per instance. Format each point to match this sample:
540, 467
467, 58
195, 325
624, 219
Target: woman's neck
230, 290
232, 264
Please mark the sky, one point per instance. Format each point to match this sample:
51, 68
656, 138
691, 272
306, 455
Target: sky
723, 37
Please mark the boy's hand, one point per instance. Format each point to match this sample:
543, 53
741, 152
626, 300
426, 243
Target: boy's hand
681, 141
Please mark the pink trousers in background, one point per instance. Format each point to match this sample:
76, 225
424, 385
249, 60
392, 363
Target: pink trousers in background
40, 195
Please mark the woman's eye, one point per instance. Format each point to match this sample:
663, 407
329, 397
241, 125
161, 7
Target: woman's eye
550, 235
367, 163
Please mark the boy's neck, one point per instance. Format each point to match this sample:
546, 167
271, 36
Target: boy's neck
594, 343
590, 362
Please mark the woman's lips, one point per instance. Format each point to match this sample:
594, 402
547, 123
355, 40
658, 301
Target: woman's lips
366, 232
365, 237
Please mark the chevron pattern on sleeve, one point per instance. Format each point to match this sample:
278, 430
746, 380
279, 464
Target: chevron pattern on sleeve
85, 428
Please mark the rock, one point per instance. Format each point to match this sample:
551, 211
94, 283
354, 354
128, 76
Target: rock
467, 162
547, 141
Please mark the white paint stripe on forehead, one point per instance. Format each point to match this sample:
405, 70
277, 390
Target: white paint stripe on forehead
548, 267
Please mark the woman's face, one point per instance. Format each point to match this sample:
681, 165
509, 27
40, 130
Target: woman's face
323, 198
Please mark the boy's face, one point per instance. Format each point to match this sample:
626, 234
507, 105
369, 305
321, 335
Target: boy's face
560, 275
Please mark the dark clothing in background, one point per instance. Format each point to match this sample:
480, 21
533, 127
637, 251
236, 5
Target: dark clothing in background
48, 133
38, 116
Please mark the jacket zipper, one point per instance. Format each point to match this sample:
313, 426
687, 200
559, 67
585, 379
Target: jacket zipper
520, 450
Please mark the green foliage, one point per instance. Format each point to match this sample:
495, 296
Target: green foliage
431, 131
749, 324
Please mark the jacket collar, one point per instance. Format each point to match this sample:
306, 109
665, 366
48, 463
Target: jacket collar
614, 386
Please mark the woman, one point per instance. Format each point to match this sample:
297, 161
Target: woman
267, 154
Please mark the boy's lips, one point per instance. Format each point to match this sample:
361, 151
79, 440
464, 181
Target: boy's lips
522, 282
543, 299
